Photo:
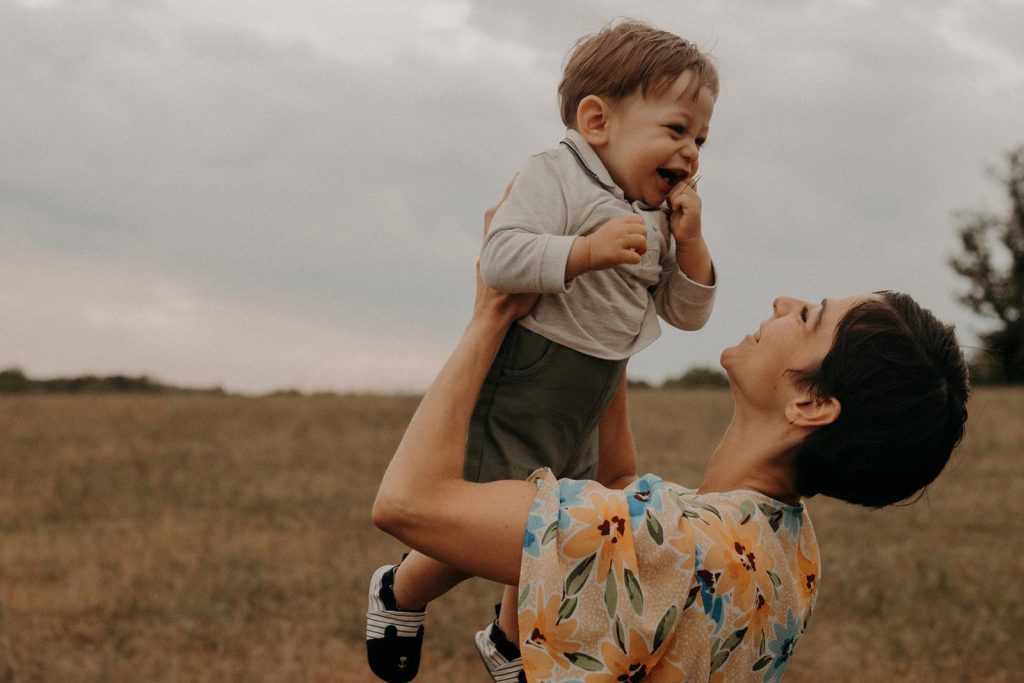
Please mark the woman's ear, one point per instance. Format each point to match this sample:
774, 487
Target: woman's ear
813, 412
592, 118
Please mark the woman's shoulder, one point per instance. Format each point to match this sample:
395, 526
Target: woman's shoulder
743, 508
653, 494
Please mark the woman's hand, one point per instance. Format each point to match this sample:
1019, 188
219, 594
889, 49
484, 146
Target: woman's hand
494, 305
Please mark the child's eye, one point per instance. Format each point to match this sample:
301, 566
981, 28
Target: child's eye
803, 314
677, 129
701, 141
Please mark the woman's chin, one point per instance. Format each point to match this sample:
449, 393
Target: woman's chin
727, 361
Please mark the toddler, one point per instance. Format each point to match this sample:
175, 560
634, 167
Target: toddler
606, 227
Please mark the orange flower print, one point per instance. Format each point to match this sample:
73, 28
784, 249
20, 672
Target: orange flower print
681, 539
637, 664
545, 638
603, 528
536, 663
757, 619
744, 564
807, 571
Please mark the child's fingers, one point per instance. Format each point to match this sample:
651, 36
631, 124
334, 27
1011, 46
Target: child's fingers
683, 197
635, 243
683, 189
632, 256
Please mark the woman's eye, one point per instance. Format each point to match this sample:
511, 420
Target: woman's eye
803, 314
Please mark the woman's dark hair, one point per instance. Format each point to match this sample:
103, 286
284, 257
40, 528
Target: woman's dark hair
901, 382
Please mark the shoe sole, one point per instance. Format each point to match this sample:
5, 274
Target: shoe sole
511, 672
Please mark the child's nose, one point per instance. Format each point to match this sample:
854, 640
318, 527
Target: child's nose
689, 147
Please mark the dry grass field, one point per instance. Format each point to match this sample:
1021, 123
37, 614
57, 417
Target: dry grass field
220, 538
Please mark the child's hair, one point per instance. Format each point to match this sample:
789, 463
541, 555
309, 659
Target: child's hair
625, 57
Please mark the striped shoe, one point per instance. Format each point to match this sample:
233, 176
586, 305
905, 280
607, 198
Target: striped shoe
500, 656
394, 636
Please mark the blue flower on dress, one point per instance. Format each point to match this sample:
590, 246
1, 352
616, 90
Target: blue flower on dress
531, 537
792, 519
570, 494
646, 492
781, 647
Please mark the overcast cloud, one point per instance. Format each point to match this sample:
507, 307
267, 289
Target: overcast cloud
265, 195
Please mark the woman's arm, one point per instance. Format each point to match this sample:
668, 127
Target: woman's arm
423, 501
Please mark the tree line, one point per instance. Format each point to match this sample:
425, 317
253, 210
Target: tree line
14, 381
695, 378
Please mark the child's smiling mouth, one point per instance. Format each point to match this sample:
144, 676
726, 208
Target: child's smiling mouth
672, 177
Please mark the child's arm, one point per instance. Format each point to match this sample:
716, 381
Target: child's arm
532, 247
616, 454
685, 292
692, 253
528, 244
622, 239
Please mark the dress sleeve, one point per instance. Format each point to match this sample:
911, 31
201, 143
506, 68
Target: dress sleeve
682, 585
605, 574
528, 244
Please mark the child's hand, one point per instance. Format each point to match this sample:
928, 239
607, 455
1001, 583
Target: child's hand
692, 254
620, 240
684, 204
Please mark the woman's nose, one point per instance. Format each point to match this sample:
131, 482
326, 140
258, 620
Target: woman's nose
784, 304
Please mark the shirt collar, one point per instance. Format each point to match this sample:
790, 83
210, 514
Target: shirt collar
591, 163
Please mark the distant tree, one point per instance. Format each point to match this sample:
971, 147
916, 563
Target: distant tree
703, 376
14, 381
993, 264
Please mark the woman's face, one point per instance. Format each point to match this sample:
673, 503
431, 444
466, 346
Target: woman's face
798, 335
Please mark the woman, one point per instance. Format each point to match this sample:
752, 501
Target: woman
862, 398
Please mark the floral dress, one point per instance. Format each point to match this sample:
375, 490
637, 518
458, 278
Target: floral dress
660, 583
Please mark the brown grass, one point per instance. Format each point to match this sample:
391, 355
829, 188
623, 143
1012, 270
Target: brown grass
205, 538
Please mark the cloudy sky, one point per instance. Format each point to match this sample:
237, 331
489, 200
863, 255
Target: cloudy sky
262, 194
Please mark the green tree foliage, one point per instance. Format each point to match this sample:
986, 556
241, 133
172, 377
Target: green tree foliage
14, 381
703, 376
992, 262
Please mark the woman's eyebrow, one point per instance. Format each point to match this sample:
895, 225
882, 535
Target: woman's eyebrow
821, 314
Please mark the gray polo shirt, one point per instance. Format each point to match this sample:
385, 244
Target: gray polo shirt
560, 194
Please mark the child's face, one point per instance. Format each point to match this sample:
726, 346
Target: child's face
654, 142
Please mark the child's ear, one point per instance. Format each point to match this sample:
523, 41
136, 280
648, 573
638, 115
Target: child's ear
813, 412
592, 118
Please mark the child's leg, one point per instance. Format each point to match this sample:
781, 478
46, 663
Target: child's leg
420, 579
396, 611
539, 407
508, 617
